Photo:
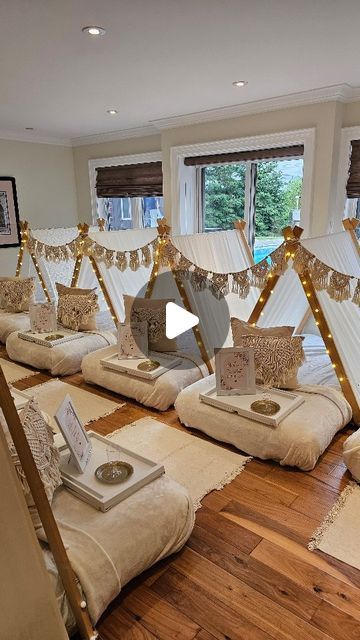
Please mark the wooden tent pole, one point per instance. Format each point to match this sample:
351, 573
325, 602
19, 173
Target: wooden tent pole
24, 225
164, 237
83, 231
350, 225
240, 225
291, 238
56, 544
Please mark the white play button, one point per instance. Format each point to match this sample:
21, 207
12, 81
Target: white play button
178, 320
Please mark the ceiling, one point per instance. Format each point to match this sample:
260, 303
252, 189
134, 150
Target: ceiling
163, 58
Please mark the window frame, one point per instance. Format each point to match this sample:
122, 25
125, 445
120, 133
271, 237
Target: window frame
183, 183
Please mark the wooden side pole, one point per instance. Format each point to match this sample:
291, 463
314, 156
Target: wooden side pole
66, 573
104, 289
83, 231
291, 239
240, 225
24, 225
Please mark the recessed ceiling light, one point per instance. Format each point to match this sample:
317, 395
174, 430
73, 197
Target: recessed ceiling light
239, 83
94, 31
112, 112
29, 128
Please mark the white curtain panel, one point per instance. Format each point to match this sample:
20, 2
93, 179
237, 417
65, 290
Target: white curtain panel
339, 252
119, 282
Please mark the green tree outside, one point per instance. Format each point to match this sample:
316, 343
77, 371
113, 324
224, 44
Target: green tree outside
224, 198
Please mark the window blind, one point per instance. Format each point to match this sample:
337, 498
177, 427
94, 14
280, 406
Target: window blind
278, 153
353, 183
130, 180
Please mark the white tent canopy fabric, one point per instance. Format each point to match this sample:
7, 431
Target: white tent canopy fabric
53, 272
118, 282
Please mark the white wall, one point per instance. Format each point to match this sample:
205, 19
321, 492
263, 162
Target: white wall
45, 182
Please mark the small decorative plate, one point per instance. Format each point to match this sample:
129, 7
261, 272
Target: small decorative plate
266, 407
55, 336
148, 365
114, 472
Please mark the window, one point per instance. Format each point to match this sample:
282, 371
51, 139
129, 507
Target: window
266, 192
130, 213
352, 206
129, 196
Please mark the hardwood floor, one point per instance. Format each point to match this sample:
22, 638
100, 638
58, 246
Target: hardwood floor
245, 572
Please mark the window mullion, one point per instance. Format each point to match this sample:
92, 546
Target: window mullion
250, 194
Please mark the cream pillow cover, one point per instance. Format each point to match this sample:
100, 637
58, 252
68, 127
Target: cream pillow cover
77, 308
16, 294
46, 456
240, 328
152, 311
277, 359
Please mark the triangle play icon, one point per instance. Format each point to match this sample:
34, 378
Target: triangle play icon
178, 320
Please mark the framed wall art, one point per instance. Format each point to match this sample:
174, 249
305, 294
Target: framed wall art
9, 214
235, 371
132, 340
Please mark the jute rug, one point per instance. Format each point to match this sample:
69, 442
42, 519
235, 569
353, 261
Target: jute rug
14, 372
89, 406
198, 465
338, 535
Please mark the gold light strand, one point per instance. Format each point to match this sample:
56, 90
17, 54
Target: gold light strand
331, 349
104, 290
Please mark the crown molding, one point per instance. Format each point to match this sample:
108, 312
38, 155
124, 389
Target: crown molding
121, 134
17, 136
339, 93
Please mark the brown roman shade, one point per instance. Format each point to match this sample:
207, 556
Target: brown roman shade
353, 183
130, 180
241, 156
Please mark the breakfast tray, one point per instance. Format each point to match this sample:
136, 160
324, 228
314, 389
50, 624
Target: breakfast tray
130, 365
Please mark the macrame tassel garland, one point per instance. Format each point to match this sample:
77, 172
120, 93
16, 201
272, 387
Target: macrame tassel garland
183, 267
134, 262
121, 260
303, 260
220, 284
146, 256
339, 286
199, 279
356, 296
320, 275
259, 273
278, 260
109, 257
241, 284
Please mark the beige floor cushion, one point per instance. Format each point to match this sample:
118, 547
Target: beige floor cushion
299, 439
62, 360
107, 550
10, 322
160, 393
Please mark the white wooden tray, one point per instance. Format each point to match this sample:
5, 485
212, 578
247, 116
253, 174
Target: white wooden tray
39, 338
241, 405
129, 365
98, 494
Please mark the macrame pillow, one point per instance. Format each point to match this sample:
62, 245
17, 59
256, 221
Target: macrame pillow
16, 294
240, 328
47, 459
152, 311
277, 359
77, 308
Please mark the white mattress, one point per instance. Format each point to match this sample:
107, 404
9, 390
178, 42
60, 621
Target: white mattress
317, 368
10, 322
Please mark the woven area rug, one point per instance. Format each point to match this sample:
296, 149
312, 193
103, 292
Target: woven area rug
198, 465
89, 406
338, 535
14, 372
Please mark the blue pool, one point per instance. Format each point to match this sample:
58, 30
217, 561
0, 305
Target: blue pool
262, 252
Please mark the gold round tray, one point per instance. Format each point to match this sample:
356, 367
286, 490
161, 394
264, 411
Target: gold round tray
265, 407
54, 336
148, 365
114, 472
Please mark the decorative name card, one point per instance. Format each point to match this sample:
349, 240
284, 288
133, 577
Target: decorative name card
43, 317
132, 340
74, 434
235, 371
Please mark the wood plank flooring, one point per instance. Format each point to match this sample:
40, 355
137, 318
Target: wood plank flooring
245, 573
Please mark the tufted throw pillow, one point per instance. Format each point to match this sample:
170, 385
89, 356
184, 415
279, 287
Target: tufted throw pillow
41, 441
16, 294
152, 311
77, 308
240, 328
277, 359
